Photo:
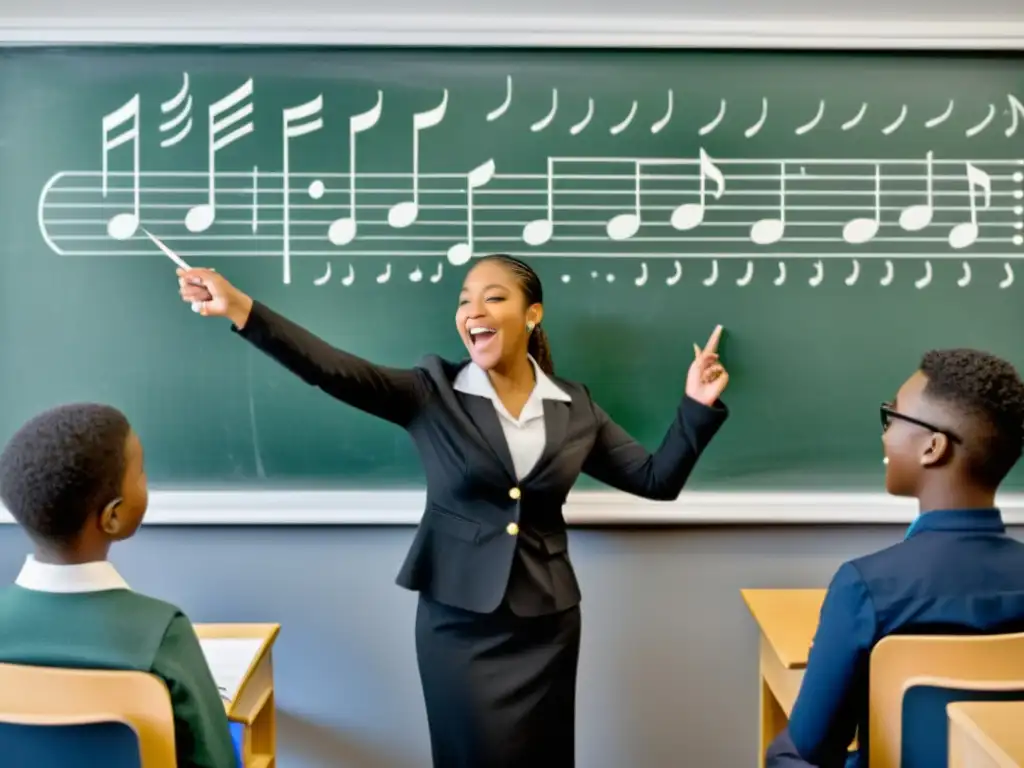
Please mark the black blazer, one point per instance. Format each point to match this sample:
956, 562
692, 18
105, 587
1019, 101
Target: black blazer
485, 536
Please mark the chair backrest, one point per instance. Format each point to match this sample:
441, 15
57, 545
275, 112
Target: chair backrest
71, 702
913, 677
925, 728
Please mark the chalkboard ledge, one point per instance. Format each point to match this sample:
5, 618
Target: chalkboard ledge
585, 508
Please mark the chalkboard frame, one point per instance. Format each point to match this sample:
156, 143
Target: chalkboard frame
588, 508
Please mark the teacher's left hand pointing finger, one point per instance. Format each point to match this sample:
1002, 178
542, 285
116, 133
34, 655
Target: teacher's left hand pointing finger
713, 339
707, 377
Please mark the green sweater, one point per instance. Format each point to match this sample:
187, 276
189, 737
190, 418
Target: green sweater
120, 629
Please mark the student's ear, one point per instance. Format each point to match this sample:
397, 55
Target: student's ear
110, 522
936, 451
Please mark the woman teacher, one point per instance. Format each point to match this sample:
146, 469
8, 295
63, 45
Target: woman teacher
502, 441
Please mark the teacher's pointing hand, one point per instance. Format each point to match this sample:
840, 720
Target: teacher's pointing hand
215, 295
707, 377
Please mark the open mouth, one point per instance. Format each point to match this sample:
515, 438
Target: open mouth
480, 336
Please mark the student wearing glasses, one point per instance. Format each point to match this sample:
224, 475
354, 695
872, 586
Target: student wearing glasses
952, 434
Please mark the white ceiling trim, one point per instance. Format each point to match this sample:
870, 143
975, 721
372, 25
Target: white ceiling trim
433, 29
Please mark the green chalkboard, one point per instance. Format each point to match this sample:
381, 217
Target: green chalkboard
858, 209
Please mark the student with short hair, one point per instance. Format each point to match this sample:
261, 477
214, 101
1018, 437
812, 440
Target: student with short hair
953, 433
73, 479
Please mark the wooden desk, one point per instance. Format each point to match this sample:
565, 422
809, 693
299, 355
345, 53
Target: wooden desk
986, 734
788, 619
254, 704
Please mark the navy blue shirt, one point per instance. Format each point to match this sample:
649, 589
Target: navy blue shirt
956, 572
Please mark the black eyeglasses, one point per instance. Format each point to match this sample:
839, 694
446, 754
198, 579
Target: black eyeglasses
888, 413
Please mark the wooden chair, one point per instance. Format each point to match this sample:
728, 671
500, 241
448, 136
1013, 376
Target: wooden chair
56, 714
913, 678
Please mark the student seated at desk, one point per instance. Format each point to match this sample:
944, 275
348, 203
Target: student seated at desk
953, 433
73, 479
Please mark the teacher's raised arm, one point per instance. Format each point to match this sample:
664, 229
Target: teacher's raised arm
393, 394
621, 462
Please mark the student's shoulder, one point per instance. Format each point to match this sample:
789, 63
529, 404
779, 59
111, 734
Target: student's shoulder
878, 577
859, 574
149, 610
170, 632
881, 560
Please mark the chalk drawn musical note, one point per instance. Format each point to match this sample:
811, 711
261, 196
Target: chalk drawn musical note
462, 252
403, 214
349, 278
343, 230
625, 225
577, 128
676, 276
1007, 281
323, 278
890, 273
851, 279
436, 277
862, 229
200, 217
295, 122
965, 233
690, 215
747, 276
713, 277
416, 275
123, 226
642, 279
770, 230
384, 276
965, 278
782, 274
539, 231
927, 278
819, 274
916, 217
494, 114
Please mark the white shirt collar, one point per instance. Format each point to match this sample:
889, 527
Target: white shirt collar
473, 380
86, 577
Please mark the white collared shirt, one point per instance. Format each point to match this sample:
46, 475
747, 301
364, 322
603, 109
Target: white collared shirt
526, 435
86, 577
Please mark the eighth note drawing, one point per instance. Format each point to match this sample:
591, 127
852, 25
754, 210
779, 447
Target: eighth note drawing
405, 213
460, 253
200, 217
965, 233
123, 225
691, 215
343, 230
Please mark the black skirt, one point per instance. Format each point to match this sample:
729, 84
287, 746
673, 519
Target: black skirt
500, 689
